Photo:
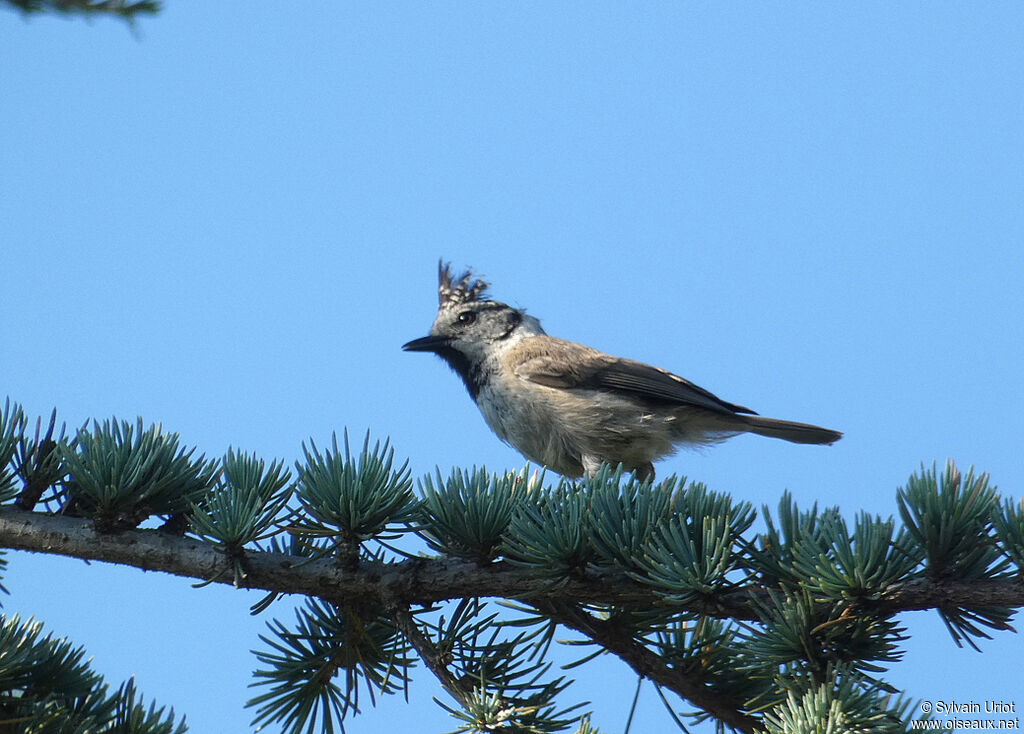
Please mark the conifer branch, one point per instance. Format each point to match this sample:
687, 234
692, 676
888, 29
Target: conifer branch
126, 9
429, 654
427, 580
618, 640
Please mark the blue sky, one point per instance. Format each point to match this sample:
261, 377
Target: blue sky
229, 222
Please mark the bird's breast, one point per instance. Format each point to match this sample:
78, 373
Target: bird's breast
505, 409
522, 415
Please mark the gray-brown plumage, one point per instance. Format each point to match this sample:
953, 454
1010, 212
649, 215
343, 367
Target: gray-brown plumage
571, 408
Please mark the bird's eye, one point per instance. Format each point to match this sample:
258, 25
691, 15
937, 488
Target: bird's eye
466, 318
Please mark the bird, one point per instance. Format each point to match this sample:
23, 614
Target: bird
571, 408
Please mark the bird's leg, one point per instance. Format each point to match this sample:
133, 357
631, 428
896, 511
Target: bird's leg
591, 464
644, 473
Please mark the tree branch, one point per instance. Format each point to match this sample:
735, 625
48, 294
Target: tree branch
397, 585
648, 664
429, 654
425, 580
412, 581
124, 8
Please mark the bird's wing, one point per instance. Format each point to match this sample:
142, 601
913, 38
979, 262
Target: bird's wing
574, 367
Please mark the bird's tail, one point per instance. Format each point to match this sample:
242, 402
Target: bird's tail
790, 430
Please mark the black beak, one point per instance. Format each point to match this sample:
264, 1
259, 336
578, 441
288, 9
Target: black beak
426, 344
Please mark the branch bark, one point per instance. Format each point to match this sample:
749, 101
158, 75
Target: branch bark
429, 654
412, 581
648, 664
422, 580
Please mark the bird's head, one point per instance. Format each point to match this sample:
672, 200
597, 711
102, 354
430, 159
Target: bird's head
469, 328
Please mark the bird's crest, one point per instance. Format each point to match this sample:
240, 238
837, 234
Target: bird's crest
461, 290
